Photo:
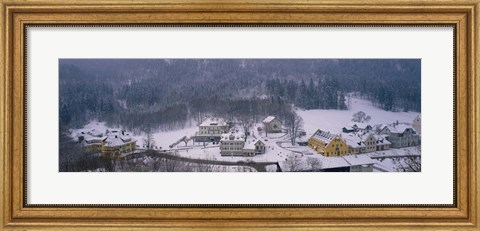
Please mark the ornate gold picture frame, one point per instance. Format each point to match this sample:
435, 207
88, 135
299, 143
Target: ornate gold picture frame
16, 16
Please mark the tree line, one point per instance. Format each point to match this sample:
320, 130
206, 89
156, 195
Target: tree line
160, 94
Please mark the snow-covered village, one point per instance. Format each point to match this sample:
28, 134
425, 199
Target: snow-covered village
354, 132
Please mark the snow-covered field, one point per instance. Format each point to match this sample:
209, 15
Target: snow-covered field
334, 120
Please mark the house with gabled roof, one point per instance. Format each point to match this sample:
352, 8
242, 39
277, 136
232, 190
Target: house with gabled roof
417, 124
211, 130
272, 124
328, 144
360, 142
112, 144
400, 135
117, 143
235, 144
382, 142
253, 147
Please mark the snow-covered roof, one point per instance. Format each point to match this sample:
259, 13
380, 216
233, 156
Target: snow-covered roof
239, 136
355, 160
381, 139
358, 125
353, 140
378, 127
250, 144
269, 119
92, 139
357, 139
398, 128
95, 132
326, 137
333, 162
115, 138
213, 122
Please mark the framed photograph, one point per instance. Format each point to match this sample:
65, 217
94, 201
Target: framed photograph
239, 115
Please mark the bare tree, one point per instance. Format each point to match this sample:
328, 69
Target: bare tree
294, 125
314, 163
411, 162
246, 123
148, 140
292, 163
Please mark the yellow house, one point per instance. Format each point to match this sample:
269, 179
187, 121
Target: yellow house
91, 143
112, 151
118, 143
112, 144
328, 144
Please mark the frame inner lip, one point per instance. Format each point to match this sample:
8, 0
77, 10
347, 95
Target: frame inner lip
240, 25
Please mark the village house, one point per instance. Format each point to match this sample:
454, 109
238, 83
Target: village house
364, 142
400, 135
253, 147
211, 130
234, 144
356, 127
231, 144
92, 141
112, 144
118, 143
417, 124
353, 163
360, 163
328, 144
382, 142
360, 142
272, 124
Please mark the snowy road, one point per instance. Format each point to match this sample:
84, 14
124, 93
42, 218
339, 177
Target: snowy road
259, 166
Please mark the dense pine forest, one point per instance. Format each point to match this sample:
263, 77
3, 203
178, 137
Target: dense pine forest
159, 94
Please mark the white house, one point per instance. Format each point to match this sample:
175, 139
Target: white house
272, 124
234, 144
400, 135
417, 124
211, 130
360, 142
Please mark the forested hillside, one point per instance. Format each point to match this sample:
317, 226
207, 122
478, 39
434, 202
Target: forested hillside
142, 95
